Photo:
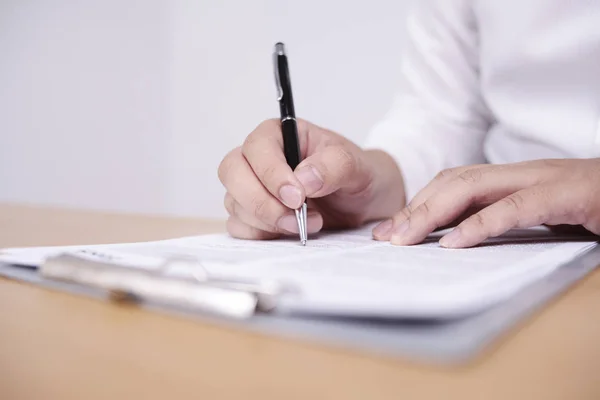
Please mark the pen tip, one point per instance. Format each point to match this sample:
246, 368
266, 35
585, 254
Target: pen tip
303, 242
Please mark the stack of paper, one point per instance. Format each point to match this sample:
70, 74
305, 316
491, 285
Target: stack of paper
350, 274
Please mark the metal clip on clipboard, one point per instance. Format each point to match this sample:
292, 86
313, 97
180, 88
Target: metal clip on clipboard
237, 299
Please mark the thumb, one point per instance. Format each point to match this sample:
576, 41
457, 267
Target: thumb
333, 168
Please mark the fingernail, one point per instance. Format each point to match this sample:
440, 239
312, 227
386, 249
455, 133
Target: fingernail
383, 229
288, 223
451, 239
310, 178
291, 196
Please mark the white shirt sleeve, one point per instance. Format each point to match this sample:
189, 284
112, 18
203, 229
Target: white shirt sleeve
438, 119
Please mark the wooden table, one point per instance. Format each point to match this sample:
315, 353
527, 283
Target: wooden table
59, 346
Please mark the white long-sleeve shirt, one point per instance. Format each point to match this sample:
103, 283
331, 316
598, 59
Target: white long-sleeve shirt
494, 82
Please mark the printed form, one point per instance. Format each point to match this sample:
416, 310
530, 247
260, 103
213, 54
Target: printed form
350, 274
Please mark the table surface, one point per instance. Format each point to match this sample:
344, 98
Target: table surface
57, 345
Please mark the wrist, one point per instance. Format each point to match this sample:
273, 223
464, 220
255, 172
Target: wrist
388, 195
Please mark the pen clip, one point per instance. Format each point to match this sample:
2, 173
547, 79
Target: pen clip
279, 51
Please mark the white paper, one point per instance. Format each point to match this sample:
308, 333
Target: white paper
348, 273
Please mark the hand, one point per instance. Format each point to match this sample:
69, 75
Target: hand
343, 185
491, 199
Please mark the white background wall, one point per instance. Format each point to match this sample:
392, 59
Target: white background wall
131, 105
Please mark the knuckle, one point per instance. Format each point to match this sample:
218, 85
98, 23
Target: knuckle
425, 208
260, 132
260, 207
428, 213
443, 174
346, 161
483, 223
268, 173
227, 163
404, 214
470, 176
425, 213
514, 201
477, 220
250, 141
264, 132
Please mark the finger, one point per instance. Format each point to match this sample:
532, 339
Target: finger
471, 187
241, 183
263, 150
314, 223
235, 209
240, 230
335, 167
383, 231
523, 209
440, 179
287, 224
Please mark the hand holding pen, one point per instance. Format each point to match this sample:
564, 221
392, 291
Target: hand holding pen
269, 183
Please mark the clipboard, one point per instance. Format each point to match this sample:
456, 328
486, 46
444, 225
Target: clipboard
435, 342
200, 292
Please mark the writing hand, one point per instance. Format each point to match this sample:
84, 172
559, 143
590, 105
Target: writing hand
344, 185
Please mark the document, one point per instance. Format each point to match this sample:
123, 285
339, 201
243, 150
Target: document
349, 274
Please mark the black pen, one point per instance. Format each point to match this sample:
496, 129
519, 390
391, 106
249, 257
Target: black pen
289, 129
